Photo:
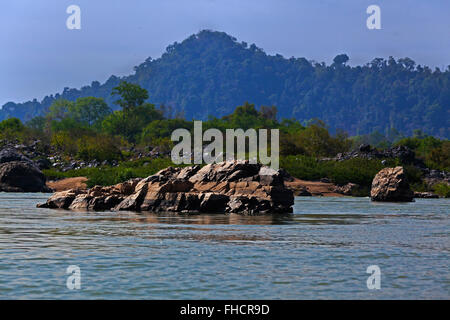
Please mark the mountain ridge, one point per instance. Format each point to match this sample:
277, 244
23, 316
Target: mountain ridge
210, 73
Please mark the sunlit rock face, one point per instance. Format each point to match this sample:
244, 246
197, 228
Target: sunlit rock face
226, 187
390, 184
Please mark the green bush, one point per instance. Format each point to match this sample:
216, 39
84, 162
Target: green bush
303, 167
442, 189
86, 146
13, 128
360, 171
129, 123
434, 152
100, 148
413, 174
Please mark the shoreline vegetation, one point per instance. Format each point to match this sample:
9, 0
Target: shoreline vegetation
85, 138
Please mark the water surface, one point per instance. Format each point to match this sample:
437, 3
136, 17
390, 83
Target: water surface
321, 251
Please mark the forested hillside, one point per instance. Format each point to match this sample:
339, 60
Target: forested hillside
211, 72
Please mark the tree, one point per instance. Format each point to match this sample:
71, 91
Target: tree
341, 59
37, 123
317, 141
59, 109
90, 110
12, 124
210, 73
130, 123
11, 129
132, 95
161, 130
269, 113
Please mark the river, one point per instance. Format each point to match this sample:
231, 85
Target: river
321, 251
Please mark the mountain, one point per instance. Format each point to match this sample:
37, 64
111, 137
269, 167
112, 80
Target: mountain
210, 73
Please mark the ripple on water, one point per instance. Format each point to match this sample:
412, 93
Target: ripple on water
320, 251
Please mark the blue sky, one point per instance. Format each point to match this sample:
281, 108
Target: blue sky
40, 56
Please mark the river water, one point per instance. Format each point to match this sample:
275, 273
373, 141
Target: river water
322, 251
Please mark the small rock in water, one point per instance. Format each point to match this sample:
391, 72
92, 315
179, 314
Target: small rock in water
426, 195
390, 184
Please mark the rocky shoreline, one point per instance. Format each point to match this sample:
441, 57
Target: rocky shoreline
20, 173
227, 187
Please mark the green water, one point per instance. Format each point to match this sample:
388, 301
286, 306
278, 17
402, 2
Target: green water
321, 251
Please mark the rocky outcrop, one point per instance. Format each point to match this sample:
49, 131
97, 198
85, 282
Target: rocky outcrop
390, 184
45, 156
21, 176
426, 195
433, 177
348, 189
10, 154
226, 187
301, 191
365, 151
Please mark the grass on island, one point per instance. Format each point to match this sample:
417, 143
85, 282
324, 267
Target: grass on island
108, 175
442, 189
357, 170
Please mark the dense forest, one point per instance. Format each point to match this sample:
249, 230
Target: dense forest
211, 72
87, 138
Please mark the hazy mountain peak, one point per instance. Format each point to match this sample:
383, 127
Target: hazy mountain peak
211, 72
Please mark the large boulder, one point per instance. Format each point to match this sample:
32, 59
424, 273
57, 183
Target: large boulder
226, 187
22, 176
11, 154
365, 151
390, 184
43, 163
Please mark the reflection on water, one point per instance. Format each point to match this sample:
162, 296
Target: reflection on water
320, 251
202, 219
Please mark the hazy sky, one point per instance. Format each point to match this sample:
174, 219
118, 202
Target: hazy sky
40, 56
